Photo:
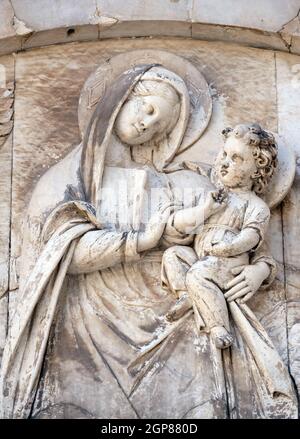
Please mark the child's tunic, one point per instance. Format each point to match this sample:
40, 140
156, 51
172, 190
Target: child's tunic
243, 210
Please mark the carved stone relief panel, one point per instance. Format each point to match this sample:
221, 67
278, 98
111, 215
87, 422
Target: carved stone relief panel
97, 304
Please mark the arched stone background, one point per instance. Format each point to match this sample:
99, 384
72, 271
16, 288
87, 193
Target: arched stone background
248, 55
270, 24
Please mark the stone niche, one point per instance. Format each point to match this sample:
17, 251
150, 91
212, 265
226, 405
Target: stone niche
182, 376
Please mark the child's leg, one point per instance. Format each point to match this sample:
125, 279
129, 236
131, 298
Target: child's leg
203, 289
176, 262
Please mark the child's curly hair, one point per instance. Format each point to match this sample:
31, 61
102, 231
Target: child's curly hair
264, 152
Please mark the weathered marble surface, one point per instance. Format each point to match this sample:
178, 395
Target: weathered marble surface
267, 23
7, 14
262, 15
48, 85
288, 125
6, 141
266, 15
60, 68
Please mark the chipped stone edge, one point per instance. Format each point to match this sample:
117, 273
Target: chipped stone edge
102, 27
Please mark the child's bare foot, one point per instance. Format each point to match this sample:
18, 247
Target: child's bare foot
182, 305
221, 337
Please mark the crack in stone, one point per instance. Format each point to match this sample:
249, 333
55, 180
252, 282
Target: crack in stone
286, 310
288, 22
287, 44
20, 27
285, 34
102, 21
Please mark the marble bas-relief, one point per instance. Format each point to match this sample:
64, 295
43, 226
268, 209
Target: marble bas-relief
235, 222
94, 333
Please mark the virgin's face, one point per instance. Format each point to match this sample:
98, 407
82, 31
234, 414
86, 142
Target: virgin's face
144, 117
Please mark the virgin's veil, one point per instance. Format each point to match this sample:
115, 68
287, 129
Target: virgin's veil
38, 298
101, 125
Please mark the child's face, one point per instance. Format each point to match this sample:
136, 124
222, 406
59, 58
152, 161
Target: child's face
235, 164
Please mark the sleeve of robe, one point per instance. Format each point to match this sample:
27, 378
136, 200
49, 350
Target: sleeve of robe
100, 249
173, 236
263, 255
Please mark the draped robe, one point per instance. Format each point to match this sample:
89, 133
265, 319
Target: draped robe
89, 342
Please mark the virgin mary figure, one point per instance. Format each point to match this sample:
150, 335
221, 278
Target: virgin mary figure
89, 337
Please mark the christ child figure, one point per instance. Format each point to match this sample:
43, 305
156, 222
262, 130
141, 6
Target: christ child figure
234, 227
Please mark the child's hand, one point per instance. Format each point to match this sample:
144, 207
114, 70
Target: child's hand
221, 249
215, 201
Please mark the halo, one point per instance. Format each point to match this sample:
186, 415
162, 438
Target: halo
283, 177
109, 70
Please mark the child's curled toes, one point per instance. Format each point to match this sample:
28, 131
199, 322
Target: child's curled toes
221, 337
182, 305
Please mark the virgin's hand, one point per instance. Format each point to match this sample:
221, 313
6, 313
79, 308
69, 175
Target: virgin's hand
154, 229
247, 280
